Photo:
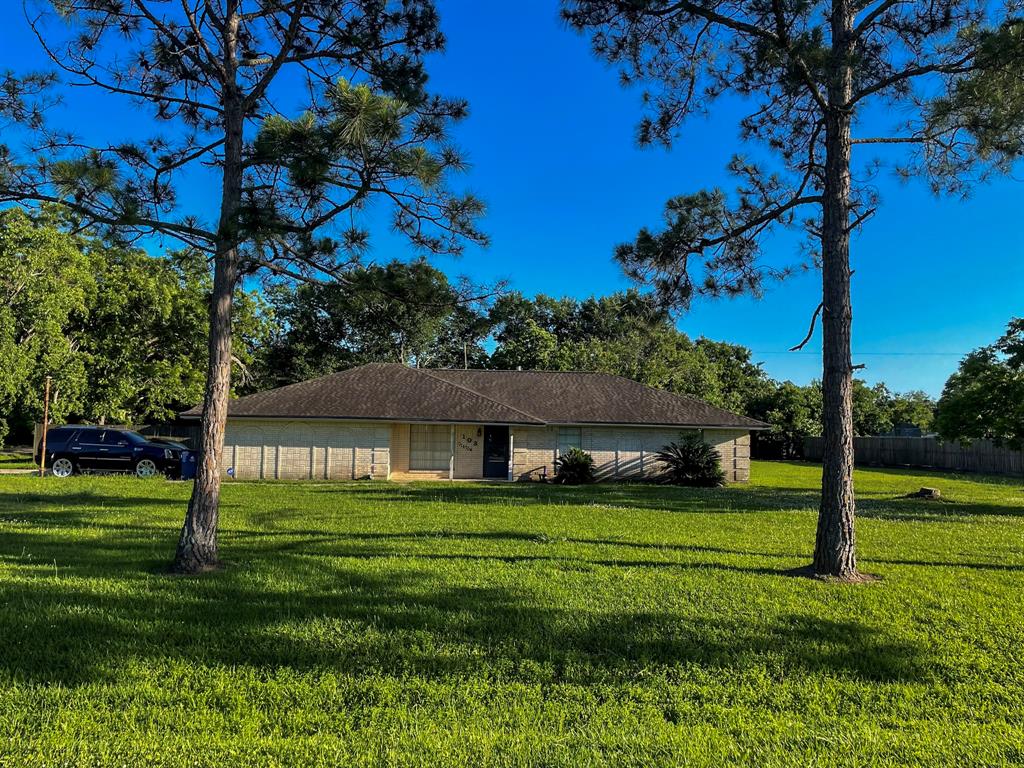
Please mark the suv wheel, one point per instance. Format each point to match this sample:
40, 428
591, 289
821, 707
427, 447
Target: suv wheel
62, 467
146, 468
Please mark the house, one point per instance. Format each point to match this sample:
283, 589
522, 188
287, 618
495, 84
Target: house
389, 421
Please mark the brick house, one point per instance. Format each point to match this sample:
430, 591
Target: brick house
389, 421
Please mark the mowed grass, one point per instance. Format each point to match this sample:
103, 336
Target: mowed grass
379, 624
17, 460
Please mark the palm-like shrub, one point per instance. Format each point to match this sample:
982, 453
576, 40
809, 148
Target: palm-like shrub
575, 467
691, 462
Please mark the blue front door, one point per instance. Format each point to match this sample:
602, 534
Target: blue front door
496, 452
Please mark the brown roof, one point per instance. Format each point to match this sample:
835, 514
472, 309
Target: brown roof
394, 392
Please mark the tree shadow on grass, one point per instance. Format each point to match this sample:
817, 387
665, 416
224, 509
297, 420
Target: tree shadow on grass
405, 624
300, 603
732, 499
98, 609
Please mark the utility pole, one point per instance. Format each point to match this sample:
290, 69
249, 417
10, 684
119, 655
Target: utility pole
46, 422
465, 355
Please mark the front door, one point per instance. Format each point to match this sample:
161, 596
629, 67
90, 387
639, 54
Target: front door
496, 452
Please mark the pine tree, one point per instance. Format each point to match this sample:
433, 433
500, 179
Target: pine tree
212, 72
810, 69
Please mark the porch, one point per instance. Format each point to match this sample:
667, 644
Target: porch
451, 452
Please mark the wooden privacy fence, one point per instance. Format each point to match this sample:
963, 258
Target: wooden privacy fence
980, 456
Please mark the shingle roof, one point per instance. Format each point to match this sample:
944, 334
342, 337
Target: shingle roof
394, 392
576, 397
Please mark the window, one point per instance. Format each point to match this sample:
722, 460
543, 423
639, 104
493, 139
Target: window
568, 437
430, 446
114, 437
132, 437
90, 437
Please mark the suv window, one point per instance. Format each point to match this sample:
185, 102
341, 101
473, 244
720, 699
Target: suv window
90, 437
116, 437
60, 434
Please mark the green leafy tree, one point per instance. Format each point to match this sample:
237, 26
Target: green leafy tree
985, 397
401, 311
794, 412
461, 340
915, 408
47, 284
625, 334
808, 71
211, 73
123, 334
661, 357
144, 337
877, 410
871, 414
530, 347
570, 320
742, 382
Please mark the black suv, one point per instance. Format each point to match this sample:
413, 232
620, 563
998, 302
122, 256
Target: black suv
99, 449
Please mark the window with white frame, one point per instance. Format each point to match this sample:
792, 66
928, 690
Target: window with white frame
430, 446
569, 437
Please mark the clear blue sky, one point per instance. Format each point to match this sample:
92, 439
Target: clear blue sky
551, 141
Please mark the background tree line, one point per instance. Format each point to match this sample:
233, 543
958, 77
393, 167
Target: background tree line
123, 334
412, 313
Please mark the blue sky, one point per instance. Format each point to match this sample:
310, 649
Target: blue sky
551, 141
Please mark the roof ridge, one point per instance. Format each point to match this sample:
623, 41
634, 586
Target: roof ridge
427, 372
694, 399
524, 370
679, 395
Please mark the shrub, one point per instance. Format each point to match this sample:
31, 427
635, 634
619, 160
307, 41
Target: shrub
691, 462
574, 468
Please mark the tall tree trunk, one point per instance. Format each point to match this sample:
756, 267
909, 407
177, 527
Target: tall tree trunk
197, 545
834, 548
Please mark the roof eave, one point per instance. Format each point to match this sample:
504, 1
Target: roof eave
383, 419
660, 425
185, 415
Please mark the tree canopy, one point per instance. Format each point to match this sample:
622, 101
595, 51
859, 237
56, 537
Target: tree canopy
985, 397
804, 72
295, 187
400, 311
122, 333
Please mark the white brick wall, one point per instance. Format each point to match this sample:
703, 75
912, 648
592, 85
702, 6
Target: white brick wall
469, 451
621, 453
297, 450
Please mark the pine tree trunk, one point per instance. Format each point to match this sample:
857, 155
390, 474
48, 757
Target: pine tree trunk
197, 545
834, 548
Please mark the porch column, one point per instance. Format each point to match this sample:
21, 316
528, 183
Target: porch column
451, 456
511, 454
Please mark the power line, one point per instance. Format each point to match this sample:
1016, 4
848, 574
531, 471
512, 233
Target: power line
869, 354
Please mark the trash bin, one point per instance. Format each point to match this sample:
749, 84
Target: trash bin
188, 465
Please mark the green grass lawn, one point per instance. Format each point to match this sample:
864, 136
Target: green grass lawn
17, 460
511, 625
